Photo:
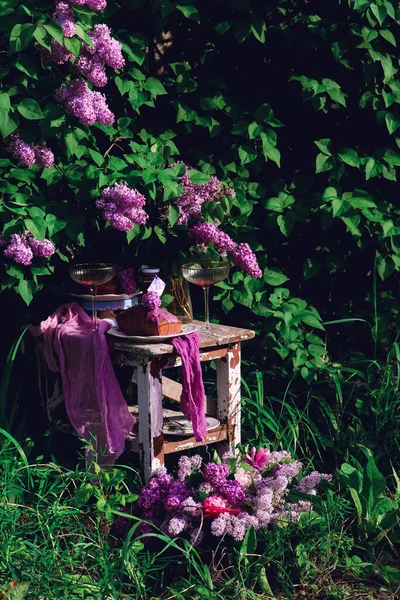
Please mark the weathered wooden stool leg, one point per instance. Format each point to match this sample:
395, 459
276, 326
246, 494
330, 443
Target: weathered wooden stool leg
228, 390
149, 378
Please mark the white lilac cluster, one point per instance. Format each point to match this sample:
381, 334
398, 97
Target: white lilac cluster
122, 206
217, 500
22, 248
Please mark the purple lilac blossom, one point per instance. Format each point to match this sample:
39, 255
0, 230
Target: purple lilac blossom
21, 151
196, 461
122, 206
242, 255
177, 493
238, 528
108, 49
191, 507
206, 488
176, 525
215, 474
221, 525
310, 482
44, 156
128, 282
233, 492
278, 456
58, 54
151, 300
41, 249
93, 68
64, 15
19, 250
195, 194
288, 470
184, 467
77, 99
92, 4
103, 114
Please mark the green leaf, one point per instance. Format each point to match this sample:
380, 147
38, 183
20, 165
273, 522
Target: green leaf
243, 296
247, 154
7, 123
388, 36
55, 30
392, 122
350, 157
37, 226
198, 177
155, 87
324, 145
26, 290
21, 36
269, 150
173, 215
286, 224
313, 322
19, 591
258, 29
274, 277
30, 109
117, 164
338, 96
73, 45
97, 157
189, 11
26, 65
379, 13
323, 163
54, 224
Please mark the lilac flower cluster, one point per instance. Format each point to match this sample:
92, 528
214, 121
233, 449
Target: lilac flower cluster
88, 106
127, 280
242, 255
64, 15
27, 154
151, 300
195, 194
122, 207
242, 492
92, 4
106, 50
58, 53
22, 248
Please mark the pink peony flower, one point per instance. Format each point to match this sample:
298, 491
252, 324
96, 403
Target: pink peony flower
215, 505
258, 459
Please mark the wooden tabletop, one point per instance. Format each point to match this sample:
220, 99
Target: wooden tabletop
215, 336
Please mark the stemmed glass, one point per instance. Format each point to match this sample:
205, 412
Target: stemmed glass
92, 275
205, 273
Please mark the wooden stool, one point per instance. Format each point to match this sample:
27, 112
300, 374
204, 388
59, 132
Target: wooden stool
220, 343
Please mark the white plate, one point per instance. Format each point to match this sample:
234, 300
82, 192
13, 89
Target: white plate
152, 339
181, 426
105, 297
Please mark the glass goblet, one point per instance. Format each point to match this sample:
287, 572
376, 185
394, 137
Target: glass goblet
206, 273
92, 275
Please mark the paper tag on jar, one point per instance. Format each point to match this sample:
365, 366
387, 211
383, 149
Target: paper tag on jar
157, 285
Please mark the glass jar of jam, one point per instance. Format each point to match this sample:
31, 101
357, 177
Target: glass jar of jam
147, 276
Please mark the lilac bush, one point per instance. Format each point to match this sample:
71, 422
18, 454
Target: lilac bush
122, 206
226, 499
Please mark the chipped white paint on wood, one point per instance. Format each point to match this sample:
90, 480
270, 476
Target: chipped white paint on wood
150, 413
173, 390
228, 389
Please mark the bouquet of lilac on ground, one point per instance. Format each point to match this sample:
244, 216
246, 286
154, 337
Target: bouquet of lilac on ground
226, 499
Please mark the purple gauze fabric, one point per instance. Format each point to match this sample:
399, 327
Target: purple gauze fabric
93, 398
193, 395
